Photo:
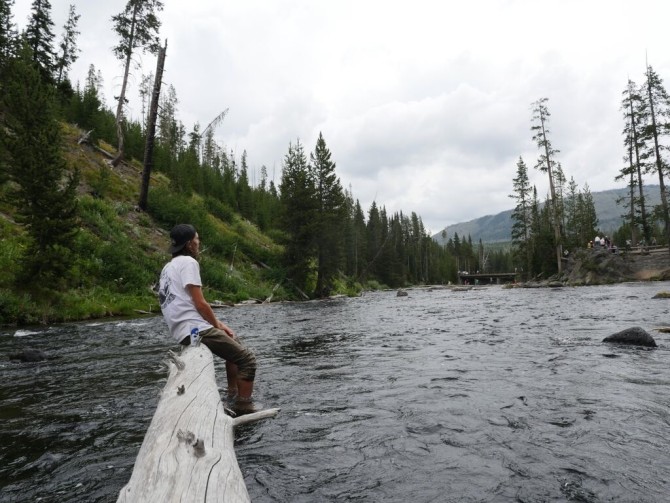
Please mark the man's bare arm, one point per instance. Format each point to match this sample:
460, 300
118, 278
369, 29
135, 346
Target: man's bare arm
205, 309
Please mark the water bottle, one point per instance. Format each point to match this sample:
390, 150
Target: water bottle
195, 336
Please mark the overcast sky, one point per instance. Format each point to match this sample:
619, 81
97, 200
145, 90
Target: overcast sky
425, 105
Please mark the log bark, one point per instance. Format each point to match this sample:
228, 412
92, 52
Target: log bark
188, 451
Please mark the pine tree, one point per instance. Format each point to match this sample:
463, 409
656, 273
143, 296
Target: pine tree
587, 217
69, 52
547, 164
360, 242
8, 37
243, 192
522, 217
329, 217
633, 107
39, 36
298, 208
656, 127
374, 241
137, 27
42, 192
87, 107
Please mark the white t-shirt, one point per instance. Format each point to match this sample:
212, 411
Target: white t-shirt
176, 302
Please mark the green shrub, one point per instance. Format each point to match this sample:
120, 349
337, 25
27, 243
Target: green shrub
17, 309
220, 210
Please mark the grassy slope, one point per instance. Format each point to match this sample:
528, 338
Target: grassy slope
120, 251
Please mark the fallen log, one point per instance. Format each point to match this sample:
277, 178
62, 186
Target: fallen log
188, 451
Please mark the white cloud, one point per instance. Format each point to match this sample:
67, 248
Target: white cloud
425, 105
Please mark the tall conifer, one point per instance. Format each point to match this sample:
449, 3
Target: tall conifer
522, 217
69, 52
329, 217
39, 36
43, 193
298, 207
137, 27
547, 164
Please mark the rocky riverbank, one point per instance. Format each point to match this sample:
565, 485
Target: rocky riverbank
599, 267
602, 267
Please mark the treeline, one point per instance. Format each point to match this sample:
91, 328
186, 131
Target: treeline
331, 243
543, 234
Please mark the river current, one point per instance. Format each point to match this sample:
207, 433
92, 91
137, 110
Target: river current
484, 395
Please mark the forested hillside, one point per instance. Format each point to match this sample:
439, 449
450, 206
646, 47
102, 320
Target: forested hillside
78, 240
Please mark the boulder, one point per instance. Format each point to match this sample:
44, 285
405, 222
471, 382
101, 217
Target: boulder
29, 355
401, 293
635, 336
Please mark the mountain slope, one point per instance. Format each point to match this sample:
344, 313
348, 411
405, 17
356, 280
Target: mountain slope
498, 228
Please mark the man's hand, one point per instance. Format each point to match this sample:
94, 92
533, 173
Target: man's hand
205, 310
222, 326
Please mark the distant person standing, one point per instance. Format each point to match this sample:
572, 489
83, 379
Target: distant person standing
185, 309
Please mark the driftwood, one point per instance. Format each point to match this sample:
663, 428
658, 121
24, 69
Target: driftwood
188, 451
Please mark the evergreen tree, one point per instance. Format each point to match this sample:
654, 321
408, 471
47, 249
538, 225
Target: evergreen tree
137, 27
330, 216
587, 217
522, 217
374, 241
547, 164
572, 237
243, 191
229, 168
69, 52
42, 192
168, 127
359, 240
298, 208
633, 106
658, 126
86, 109
39, 36
543, 238
8, 37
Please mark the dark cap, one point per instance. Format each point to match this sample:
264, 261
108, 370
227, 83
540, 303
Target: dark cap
180, 235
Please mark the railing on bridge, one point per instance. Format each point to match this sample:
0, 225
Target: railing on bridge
486, 279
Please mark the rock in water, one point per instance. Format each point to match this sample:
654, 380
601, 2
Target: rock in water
29, 355
635, 336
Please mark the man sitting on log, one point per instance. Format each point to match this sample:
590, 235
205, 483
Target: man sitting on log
185, 310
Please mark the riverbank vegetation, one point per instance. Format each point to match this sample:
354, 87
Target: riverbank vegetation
567, 221
75, 244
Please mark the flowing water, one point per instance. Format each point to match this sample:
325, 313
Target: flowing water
484, 395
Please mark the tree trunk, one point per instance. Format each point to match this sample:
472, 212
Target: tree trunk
643, 211
659, 166
554, 206
151, 130
188, 451
122, 96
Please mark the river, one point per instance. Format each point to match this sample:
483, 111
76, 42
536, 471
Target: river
485, 395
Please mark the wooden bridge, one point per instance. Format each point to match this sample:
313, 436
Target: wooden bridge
465, 278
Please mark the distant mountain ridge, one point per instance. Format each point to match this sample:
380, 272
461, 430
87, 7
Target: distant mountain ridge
498, 228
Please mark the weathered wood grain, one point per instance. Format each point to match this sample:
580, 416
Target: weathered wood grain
188, 451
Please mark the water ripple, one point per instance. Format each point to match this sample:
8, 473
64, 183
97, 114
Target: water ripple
480, 395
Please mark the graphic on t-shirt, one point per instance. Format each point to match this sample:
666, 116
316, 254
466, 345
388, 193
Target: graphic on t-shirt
165, 297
